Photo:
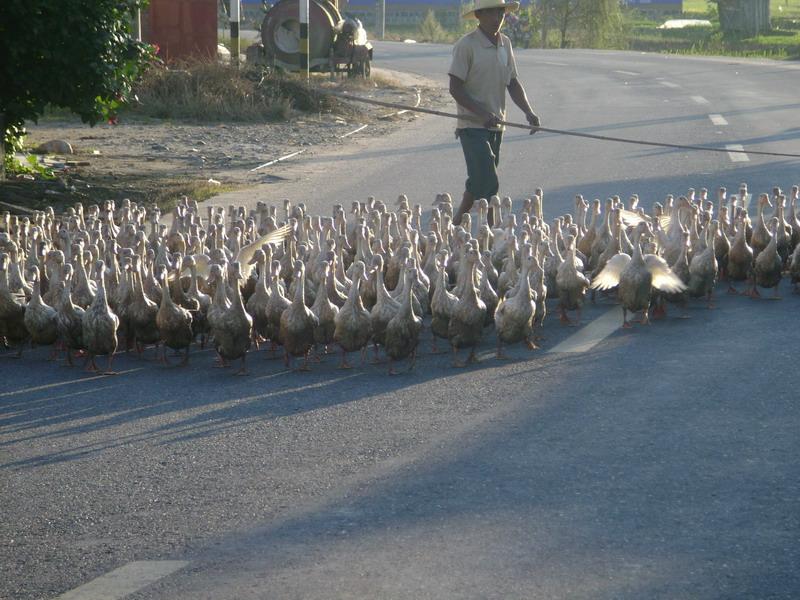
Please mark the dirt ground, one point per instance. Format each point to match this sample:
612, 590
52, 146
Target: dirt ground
156, 162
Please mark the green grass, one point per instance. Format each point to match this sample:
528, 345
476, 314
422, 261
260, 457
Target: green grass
782, 42
778, 8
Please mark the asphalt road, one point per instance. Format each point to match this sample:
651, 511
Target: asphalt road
657, 462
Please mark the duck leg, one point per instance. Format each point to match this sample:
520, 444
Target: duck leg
344, 364
19, 352
645, 317
660, 311
775, 294
501, 355
243, 370
625, 323
91, 367
316, 356
753, 292
164, 358
434, 346
376, 359
413, 360
391, 367
711, 304
564, 318
732, 290
185, 360
685, 309
108, 370
305, 366
54, 351
472, 358
456, 362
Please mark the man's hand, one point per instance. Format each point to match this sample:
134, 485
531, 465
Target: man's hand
533, 120
491, 121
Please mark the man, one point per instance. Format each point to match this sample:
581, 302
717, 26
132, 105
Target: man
483, 68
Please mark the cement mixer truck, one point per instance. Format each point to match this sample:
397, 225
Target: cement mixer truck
335, 43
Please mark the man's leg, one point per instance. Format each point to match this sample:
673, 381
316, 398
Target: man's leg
495, 137
466, 205
479, 152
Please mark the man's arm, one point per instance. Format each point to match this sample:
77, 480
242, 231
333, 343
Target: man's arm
460, 95
520, 98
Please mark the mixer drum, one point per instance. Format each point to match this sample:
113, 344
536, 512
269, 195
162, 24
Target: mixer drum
280, 32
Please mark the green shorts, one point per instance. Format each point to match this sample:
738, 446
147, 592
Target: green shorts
482, 153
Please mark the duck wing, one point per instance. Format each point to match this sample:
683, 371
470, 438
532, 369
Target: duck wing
664, 278
609, 276
247, 252
202, 263
630, 218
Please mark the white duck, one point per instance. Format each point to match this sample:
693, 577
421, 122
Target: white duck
636, 276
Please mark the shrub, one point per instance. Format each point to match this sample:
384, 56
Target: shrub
430, 30
210, 91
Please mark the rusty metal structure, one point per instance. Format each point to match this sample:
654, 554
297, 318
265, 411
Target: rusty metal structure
335, 43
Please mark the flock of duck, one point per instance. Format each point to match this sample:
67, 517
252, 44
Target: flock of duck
90, 281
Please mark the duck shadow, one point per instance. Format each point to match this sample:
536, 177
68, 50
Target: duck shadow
43, 402
65, 407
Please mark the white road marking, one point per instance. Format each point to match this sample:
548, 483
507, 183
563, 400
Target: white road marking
591, 334
47, 386
354, 131
718, 120
737, 156
124, 581
555, 64
277, 160
631, 73
700, 100
669, 84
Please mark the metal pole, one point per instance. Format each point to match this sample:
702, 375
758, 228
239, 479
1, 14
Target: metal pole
137, 24
304, 68
235, 45
381, 6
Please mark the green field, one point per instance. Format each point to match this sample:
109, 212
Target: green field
783, 41
641, 32
779, 8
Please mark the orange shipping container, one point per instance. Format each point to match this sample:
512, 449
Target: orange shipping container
182, 29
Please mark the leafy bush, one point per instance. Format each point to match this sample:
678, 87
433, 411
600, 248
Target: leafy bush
430, 30
72, 53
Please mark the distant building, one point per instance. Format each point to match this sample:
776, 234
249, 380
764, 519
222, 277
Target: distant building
402, 13
408, 13
656, 7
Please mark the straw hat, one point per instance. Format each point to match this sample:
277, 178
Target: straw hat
481, 4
